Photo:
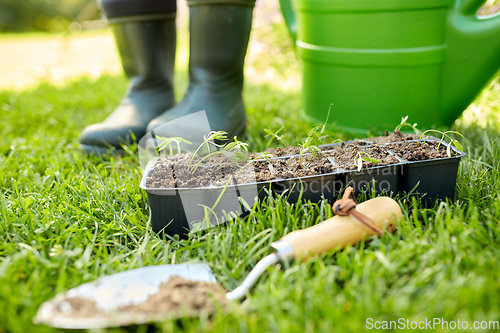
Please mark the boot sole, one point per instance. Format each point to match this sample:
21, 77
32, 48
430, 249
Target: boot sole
100, 151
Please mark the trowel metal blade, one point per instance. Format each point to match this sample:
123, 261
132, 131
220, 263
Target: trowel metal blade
114, 291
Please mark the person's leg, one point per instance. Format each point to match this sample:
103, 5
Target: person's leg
145, 36
219, 34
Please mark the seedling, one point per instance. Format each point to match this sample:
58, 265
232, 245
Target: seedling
320, 138
207, 140
443, 136
236, 150
267, 156
404, 123
314, 138
306, 146
363, 156
275, 136
167, 142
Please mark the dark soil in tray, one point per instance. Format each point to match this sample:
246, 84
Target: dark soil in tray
394, 137
279, 152
289, 151
291, 168
345, 156
172, 171
425, 150
346, 143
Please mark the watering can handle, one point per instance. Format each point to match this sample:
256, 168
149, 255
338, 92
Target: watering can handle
465, 7
469, 7
290, 19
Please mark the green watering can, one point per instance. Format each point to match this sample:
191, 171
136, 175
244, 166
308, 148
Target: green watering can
380, 60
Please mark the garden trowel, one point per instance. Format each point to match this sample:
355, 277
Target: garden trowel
112, 293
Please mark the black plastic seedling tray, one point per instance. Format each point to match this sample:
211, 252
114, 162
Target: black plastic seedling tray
173, 211
311, 188
381, 179
435, 179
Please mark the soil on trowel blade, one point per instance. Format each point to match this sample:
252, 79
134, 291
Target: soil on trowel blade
78, 307
345, 157
415, 151
176, 296
179, 296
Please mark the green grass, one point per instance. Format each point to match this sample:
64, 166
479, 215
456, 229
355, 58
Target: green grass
66, 219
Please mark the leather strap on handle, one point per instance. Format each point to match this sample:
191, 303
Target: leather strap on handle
340, 231
347, 205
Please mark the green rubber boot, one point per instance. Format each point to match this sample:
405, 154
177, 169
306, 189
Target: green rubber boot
219, 34
147, 52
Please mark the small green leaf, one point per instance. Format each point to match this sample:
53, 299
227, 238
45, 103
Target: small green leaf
458, 145
369, 159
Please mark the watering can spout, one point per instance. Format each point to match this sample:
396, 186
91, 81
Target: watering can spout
472, 56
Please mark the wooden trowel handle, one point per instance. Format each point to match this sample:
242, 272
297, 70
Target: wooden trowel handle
339, 231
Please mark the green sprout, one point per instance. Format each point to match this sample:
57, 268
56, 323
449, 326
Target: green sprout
444, 135
359, 158
207, 140
167, 142
306, 146
314, 138
267, 156
275, 136
236, 150
316, 133
404, 123
320, 138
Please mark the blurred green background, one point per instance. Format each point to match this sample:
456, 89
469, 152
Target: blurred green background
57, 15
38, 15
